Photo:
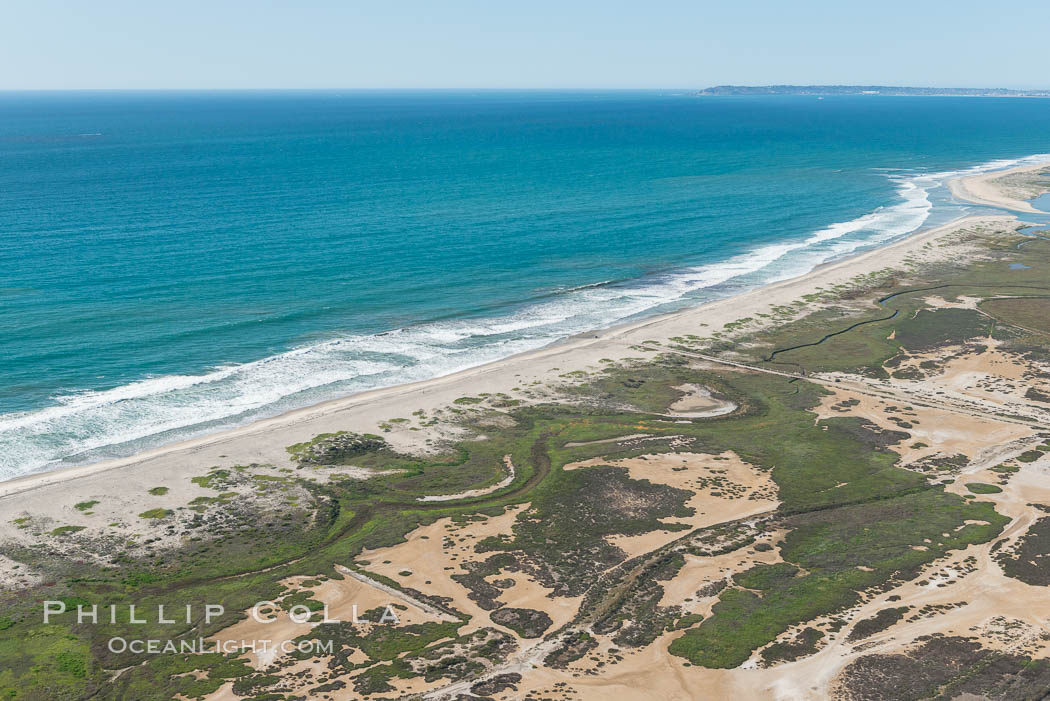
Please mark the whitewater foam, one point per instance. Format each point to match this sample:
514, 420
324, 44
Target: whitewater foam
93, 425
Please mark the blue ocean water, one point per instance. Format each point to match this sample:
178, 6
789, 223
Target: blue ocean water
174, 263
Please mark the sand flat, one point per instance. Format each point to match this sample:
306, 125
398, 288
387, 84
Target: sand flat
981, 189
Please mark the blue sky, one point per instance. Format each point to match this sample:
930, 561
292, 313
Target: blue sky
59, 44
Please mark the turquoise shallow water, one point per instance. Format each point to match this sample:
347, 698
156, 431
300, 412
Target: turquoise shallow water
175, 262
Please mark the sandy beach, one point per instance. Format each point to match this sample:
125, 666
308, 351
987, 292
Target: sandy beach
266, 441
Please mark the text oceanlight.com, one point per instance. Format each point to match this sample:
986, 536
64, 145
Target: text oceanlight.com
137, 646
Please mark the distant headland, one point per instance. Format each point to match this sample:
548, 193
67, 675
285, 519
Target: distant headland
868, 90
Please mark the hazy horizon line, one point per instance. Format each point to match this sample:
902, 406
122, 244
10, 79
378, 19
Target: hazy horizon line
513, 88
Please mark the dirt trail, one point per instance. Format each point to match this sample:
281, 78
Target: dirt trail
398, 594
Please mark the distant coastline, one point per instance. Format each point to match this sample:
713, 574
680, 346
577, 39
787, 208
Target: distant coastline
896, 91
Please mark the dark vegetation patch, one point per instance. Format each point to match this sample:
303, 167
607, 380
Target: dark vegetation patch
871, 435
573, 648
1030, 312
497, 684
481, 591
938, 462
983, 488
451, 660
1029, 558
931, 329
337, 448
528, 623
763, 576
638, 619
380, 642
688, 621
563, 534
908, 373
877, 623
1037, 396
802, 645
946, 668
330, 686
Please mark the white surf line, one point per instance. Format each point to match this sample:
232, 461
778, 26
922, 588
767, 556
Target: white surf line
397, 593
477, 492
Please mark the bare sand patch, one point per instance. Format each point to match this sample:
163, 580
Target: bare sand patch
700, 572
642, 675
432, 554
724, 488
963, 302
992, 375
346, 599
1029, 485
526, 593
933, 431
15, 575
698, 402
